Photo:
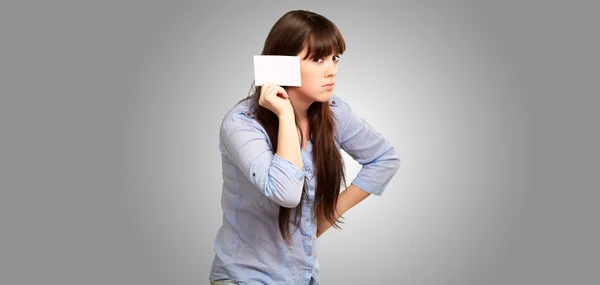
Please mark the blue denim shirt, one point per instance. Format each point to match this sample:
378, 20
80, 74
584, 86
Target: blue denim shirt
248, 247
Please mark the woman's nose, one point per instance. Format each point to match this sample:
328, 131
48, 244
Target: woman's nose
331, 69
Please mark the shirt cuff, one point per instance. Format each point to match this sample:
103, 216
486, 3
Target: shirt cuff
366, 186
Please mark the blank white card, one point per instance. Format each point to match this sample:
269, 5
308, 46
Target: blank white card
281, 69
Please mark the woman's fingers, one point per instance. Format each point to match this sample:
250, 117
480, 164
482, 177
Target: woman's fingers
274, 98
264, 91
281, 91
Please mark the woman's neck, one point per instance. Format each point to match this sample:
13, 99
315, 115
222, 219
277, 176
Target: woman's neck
300, 107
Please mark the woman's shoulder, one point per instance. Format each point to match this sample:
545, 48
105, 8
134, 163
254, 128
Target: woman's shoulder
242, 113
341, 105
335, 101
336, 104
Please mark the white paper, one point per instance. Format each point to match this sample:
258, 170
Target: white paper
280, 69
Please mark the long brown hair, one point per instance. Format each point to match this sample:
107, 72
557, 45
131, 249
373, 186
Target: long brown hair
288, 36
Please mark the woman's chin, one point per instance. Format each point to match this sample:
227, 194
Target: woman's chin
325, 96
322, 97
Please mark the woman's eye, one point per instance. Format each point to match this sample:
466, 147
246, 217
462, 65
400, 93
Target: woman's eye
336, 58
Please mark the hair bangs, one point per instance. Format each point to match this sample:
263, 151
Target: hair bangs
325, 40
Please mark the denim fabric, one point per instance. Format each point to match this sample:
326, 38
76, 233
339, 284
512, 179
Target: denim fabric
256, 181
223, 282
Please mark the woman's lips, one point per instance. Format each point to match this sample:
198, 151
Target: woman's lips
328, 85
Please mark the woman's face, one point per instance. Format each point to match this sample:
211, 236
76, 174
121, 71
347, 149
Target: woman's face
315, 75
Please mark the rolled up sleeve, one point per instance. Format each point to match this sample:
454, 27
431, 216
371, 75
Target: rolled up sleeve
245, 144
373, 151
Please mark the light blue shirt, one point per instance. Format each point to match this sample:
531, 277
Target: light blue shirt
249, 248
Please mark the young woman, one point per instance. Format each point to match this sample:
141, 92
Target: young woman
282, 166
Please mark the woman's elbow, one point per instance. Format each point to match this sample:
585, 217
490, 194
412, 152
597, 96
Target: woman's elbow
287, 196
392, 159
396, 163
291, 202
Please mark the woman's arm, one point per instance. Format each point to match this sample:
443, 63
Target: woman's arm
244, 144
373, 151
288, 143
346, 200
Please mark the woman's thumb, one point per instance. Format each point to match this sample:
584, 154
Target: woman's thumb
285, 94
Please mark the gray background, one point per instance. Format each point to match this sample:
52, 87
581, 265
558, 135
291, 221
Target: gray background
110, 170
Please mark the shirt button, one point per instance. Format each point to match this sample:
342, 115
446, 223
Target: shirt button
310, 271
309, 171
309, 254
308, 238
311, 188
308, 203
307, 219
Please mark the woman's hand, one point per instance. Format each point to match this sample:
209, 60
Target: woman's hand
274, 98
